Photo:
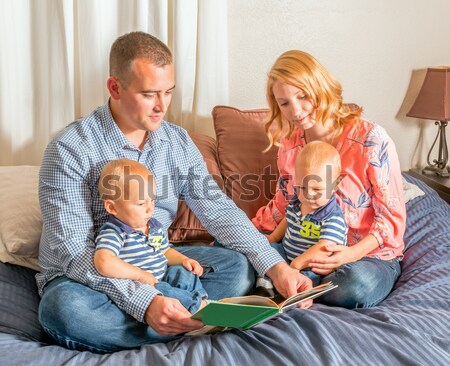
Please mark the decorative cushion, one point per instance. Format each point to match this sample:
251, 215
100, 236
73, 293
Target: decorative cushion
249, 175
20, 216
186, 227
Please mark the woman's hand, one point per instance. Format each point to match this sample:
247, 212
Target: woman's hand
317, 251
341, 254
338, 255
193, 266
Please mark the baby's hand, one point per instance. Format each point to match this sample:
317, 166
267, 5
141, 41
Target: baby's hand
193, 266
147, 278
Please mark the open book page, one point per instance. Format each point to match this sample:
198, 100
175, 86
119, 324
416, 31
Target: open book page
250, 300
280, 301
246, 311
295, 300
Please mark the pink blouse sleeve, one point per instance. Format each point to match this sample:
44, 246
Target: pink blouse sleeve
384, 174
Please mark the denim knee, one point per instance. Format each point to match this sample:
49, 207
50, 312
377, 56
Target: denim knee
243, 272
362, 284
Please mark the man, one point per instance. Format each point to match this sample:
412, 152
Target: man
82, 309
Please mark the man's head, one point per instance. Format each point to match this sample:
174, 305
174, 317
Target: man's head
317, 169
132, 46
141, 83
127, 189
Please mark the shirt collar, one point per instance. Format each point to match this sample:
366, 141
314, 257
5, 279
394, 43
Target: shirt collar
156, 136
322, 212
113, 135
125, 227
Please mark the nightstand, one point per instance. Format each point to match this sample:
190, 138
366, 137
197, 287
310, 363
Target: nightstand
440, 184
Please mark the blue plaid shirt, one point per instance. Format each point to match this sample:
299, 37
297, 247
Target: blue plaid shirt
73, 212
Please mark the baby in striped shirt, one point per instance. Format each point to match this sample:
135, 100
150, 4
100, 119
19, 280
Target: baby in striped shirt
133, 245
313, 216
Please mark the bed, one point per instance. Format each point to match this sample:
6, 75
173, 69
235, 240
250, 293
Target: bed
410, 327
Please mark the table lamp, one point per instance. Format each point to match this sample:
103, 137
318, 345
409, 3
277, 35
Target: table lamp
433, 102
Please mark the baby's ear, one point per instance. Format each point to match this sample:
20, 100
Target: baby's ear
110, 207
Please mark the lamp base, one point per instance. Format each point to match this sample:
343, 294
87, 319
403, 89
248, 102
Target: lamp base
442, 172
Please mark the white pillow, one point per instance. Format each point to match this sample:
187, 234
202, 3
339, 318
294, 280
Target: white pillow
411, 191
20, 215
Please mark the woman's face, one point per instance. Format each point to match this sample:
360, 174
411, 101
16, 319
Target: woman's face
294, 104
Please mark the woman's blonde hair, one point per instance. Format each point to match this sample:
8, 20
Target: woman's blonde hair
300, 69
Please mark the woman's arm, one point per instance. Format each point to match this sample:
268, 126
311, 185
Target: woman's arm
316, 251
385, 222
278, 234
388, 202
341, 254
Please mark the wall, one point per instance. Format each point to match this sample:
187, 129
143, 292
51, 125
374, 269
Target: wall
379, 50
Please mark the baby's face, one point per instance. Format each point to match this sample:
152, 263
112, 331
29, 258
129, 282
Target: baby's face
137, 205
314, 186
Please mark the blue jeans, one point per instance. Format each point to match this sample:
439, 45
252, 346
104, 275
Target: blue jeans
315, 278
361, 284
183, 285
81, 318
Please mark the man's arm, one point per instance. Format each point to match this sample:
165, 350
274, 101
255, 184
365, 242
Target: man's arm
220, 215
67, 243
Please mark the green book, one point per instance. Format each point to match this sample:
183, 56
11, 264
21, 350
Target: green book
246, 311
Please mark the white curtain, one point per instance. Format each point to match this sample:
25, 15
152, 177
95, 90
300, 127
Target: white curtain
54, 63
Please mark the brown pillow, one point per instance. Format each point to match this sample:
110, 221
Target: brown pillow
249, 175
186, 227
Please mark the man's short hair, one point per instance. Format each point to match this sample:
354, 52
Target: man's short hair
132, 46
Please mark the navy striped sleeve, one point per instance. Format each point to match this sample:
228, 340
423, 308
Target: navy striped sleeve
334, 229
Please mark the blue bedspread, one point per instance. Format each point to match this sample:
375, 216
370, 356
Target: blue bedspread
411, 327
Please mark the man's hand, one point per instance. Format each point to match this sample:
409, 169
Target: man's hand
193, 266
168, 317
289, 281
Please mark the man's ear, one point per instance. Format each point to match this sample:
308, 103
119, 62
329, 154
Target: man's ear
110, 207
114, 87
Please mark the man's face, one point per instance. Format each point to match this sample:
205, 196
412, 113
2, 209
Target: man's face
145, 96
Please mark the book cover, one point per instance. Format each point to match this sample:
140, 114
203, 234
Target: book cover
246, 311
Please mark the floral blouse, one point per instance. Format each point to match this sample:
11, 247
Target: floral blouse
370, 193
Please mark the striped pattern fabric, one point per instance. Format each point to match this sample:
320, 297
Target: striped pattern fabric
326, 223
409, 328
134, 247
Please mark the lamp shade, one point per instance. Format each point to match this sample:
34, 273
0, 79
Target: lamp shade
433, 101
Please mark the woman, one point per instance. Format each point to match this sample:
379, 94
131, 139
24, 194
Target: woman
306, 105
